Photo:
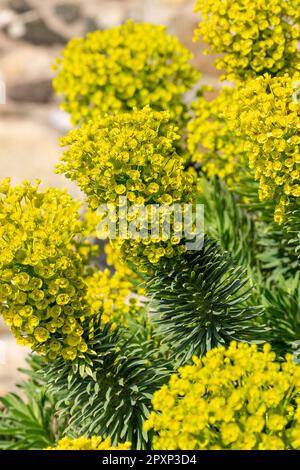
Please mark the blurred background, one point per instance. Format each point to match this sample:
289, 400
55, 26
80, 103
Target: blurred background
32, 34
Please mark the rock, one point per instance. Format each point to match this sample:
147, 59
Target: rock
38, 32
2, 91
19, 6
25, 64
3, 327
12, 357
6, 18
113, 14
30, 150
68, 12
40, 91
16, 29
60, 120
91, 25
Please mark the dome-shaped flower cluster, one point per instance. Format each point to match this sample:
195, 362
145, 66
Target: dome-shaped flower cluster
129, 66
211, 141
268, 119
113, 259
235, 398
255, 36
42, 284
132, 155
86, 443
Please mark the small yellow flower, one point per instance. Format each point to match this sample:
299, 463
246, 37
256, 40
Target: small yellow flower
276, 422
41, 334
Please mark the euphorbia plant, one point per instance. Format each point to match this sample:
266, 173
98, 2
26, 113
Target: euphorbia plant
106, 341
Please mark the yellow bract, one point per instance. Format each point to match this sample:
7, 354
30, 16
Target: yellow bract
235, 398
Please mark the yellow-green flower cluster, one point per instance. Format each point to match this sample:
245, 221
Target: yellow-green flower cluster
42, 290
211, 141
123, 68
255, 36
132, 155
114, 259
235, 398
268, 120
113, 296
92, 443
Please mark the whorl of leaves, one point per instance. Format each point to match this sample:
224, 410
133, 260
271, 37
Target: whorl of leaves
201, 300
282, 307
110, 393
29, 421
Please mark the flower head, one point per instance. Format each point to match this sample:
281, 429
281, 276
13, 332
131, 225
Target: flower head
123, 68
235, 398
254, 36
42, 288
267, 120
131, 157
